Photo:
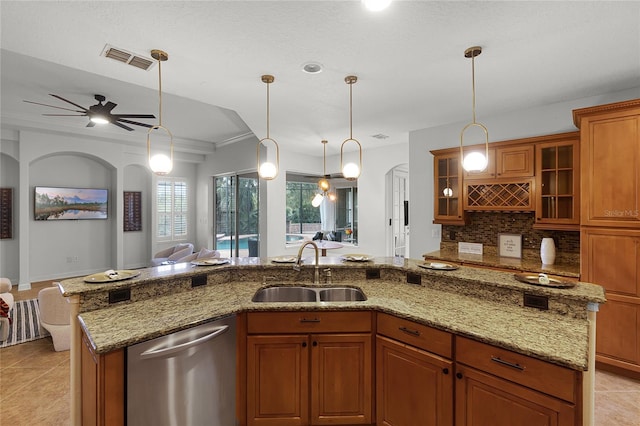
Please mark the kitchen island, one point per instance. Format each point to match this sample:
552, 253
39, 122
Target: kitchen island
482, 305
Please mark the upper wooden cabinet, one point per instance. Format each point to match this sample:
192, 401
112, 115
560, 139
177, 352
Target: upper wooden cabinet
448, 189
558, 183
610, 164
506, 162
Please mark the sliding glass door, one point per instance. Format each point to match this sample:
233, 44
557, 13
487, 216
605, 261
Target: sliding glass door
236, 215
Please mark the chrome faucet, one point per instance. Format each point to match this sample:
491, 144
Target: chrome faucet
316, 272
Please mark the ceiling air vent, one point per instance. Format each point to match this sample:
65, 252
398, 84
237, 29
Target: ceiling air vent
380, 136
126, 57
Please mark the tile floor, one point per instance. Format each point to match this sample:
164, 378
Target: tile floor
34, 385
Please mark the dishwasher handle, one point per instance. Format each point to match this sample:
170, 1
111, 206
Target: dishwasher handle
155, 353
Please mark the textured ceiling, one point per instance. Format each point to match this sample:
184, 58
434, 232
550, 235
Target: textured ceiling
409, 60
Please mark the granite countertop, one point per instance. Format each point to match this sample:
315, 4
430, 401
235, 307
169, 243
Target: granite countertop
550, 336
570, 270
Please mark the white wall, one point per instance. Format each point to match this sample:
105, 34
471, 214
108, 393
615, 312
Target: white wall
536, 121
9, 248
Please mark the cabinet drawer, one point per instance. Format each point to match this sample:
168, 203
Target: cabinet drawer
418, 335
308, 322
545, 377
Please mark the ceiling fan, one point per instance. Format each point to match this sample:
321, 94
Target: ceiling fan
99, 113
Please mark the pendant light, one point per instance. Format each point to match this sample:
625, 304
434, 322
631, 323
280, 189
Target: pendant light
376, 5
474, 161
323, 183
268, 170
160, 163
351, 171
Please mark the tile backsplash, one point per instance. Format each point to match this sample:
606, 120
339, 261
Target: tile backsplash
484, 227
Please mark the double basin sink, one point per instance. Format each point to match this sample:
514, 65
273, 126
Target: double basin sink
309, 294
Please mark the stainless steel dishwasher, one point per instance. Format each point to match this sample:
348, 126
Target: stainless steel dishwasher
185, 378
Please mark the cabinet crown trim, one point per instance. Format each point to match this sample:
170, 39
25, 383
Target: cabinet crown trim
615, 106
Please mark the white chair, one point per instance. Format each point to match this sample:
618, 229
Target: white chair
172, 254
5, 294
54, 317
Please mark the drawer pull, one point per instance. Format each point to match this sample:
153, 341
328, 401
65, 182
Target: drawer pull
309, 319
507, 363
409, 331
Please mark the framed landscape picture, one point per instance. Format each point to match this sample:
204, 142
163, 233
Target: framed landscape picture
53, 203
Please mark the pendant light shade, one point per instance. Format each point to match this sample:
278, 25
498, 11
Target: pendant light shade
268, 170
323, 184
474, 161
160, 163
351, 170
376, 5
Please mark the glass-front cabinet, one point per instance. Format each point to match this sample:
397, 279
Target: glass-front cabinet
557, 181
448, 190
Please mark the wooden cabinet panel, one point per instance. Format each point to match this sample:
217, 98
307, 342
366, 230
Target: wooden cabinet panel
277, 374
610, 157
103, 386
482, 399
308, 322
418, 335
413, 387
533, 373
618, 333
341, 378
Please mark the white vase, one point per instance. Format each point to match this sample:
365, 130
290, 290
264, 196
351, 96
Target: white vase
548, 251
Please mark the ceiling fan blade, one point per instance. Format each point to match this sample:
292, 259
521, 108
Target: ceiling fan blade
68, 101
109, 106
133, 115
52, 106
134, 122
122, 125
65, 115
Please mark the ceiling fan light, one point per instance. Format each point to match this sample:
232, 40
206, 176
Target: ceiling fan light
376, 5
161, 164
99, 119
317, 200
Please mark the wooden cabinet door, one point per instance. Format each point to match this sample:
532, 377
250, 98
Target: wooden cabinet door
413, 387
277, 380
558, 185
611, 258
483, 399
610, 171
514, 161
341, 379
448, 190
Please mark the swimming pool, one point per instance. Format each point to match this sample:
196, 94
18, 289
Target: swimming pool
243, 242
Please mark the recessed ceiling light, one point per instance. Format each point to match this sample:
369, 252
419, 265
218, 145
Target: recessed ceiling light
312, 67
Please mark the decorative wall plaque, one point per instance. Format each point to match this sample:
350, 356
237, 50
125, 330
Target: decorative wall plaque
6, 213
132, 211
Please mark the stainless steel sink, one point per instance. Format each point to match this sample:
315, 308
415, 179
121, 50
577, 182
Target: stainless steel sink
341, 294
308, 294
285, 294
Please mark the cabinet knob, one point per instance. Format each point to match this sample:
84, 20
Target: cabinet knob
459, 375
304, 344
315, 343
445, 371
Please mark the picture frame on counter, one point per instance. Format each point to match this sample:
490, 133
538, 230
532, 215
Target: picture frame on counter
510, 245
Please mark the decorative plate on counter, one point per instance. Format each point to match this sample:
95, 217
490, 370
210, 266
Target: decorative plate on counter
111, 276
210, 262
354, 257
440, 266
284, 259
544, 280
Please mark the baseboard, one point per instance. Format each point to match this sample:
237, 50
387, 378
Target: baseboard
24, 286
